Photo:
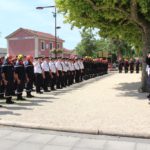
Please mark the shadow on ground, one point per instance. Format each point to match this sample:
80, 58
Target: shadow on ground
131, 90
39, 100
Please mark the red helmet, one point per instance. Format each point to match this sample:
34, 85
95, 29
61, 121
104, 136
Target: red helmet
29, 57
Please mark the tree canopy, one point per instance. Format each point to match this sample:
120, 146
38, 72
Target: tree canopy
123, 19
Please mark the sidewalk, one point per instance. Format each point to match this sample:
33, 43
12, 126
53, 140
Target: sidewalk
23, 139
106, 105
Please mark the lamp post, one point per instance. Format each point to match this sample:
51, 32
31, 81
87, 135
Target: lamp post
56, 27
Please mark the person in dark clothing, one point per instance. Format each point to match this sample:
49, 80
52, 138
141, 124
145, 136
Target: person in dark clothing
29, 70
131, 64
20, 76
7, 71
1, 81
126, 66
137, 65
120, 65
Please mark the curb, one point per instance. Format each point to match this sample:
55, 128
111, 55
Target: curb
75, 131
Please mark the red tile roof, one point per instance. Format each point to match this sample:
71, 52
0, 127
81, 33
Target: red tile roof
36, 33
43, 34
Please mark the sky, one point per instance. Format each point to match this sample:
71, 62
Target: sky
22, 13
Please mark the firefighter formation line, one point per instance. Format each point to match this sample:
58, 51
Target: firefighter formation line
45, 74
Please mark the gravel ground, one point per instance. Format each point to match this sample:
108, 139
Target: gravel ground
104, 105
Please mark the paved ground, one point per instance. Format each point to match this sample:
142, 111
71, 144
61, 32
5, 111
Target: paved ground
107, 105
23, 139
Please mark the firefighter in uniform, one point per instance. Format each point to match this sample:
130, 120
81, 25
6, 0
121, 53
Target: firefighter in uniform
39, 74
131, 64
126, 66
120, 65
137, 65
7, 71
77, 70
46, 69
54, 73
1, 81
29, 69
59, 67
20, 76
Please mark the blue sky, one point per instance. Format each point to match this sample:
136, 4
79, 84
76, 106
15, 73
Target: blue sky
22, 13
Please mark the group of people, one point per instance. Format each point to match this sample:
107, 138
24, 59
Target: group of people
129, 65
46, 74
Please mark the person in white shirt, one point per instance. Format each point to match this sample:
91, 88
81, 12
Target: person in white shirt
65, 69
46, 69
39, 74
54, 73
81, 65
77, 70
59, 67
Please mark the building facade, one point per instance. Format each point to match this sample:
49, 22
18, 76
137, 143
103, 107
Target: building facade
30, 42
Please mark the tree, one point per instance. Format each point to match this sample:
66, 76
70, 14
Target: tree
87, 46
127, 19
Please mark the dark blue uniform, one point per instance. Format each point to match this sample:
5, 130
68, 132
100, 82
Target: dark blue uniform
1, 83
8, 71
20, 71
29, 70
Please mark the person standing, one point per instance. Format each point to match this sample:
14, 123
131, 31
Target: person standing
148, 72
126, 66
39, 74
20, 76
29, 69
131, 64
120, 65
77, 70
59, 67
7, 71
1, 81
137, 65
46, 69
54, 73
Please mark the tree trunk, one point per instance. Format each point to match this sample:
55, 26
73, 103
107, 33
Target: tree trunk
146, 49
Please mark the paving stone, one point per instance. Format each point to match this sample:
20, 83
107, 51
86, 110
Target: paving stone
65, 141
54, 147
7, 144
116, 145
40, 138
18, 136
27, 146
143, 146
91, 144
4, 133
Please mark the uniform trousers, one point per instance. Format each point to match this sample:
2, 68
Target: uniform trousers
9, 89
46, 82
20, 87
2, 88
38, 82
53, 81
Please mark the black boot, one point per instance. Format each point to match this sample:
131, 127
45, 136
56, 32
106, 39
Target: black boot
29, 95
2, 96
148, 96
19, 97
9, 100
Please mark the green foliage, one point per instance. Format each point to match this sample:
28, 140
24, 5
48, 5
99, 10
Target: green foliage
115, 19
90, 46
87, 46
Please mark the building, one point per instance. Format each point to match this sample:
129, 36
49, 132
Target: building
3, 52
30, 42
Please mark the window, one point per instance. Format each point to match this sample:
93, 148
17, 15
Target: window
43, 45
50, 46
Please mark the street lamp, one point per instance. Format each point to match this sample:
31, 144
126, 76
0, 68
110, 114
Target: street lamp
56, 27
